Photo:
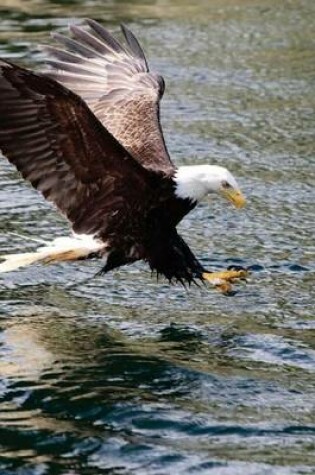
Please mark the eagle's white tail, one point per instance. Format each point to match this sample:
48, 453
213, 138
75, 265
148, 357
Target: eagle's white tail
61, 249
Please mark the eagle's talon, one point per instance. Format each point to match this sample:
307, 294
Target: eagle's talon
225, 287
237, 268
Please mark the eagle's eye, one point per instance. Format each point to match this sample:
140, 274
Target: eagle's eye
226, 185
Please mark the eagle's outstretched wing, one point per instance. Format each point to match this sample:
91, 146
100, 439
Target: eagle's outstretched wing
115, 82
57, 144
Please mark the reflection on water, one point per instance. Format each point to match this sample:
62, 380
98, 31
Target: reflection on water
84, 389
122, 374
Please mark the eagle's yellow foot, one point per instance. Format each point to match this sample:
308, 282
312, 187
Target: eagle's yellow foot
228, 275
222, 280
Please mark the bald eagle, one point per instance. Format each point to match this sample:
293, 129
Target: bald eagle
86, 133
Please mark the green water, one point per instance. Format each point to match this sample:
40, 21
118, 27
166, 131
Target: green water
123, 375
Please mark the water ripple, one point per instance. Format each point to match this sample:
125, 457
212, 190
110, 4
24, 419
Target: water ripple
97, 375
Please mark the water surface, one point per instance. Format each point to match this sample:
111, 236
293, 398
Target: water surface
125, 375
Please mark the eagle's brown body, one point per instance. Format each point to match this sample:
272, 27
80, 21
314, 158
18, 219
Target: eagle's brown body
87, 135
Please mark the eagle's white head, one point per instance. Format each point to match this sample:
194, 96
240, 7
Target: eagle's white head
196, 181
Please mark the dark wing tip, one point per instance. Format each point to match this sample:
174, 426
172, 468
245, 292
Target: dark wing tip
133, 44
104, 35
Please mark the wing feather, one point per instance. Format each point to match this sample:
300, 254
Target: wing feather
134, 45
60, 147
107, 38
115, 82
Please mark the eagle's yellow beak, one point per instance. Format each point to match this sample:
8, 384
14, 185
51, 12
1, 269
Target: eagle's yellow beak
235, 196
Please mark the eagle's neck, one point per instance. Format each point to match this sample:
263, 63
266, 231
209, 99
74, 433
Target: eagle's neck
195, 182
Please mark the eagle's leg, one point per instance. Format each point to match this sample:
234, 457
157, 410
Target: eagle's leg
116, 258
223, 280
